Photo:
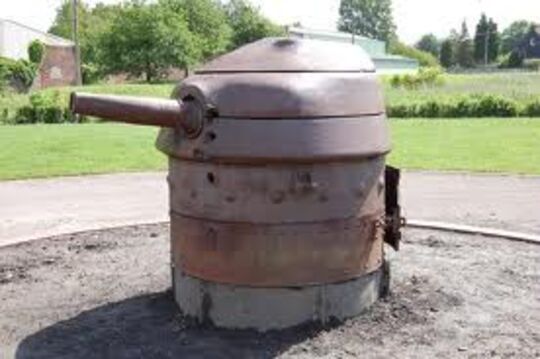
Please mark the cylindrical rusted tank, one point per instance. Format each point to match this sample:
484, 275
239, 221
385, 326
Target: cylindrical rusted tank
277, 183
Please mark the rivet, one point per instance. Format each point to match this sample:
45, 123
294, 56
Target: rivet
210, 136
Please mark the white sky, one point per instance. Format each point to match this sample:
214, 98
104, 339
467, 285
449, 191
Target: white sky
413, 17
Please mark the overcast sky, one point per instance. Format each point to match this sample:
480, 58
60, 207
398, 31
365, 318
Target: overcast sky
413, 17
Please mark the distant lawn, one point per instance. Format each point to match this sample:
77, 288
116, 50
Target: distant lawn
522, 87
28, 151
480, 145
487, 145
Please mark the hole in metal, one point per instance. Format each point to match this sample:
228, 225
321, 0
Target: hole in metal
210, 136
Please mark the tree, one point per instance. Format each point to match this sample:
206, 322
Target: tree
92, 24
494, 45
513, 35
481, 39
63, 22
486, 40
207, 21
370, 18
429, 43
36, 49
465, 48
447, 57
147, 39
248, 24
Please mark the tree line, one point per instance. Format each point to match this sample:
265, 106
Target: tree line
488, 45
147, 40
373, 18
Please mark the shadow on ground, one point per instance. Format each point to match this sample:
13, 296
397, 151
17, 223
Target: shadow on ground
150, 326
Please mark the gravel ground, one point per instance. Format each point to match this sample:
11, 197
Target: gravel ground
105, 294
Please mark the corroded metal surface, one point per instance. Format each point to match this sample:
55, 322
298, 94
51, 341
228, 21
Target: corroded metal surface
287, 140
277, 225
276, 194
287, 95
281, 255
277, 164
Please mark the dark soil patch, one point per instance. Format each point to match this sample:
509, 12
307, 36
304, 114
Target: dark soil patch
106, 294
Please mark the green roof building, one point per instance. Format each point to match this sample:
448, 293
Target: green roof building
384, 62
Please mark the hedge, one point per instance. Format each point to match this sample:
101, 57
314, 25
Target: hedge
17, 73
44, 107
464, 107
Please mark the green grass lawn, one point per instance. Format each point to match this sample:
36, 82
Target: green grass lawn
480, 145
486, 145
28, 151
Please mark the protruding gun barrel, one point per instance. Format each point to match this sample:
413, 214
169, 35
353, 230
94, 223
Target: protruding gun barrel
140, 111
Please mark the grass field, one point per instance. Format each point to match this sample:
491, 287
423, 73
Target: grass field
482, 145
487, 145
56, 150
520, 86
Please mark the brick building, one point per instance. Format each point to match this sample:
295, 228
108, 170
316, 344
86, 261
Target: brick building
57, 67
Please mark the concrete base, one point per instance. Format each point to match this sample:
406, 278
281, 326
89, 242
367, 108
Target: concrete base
264, 309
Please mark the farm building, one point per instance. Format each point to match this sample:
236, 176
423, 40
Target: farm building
384, 62
57, 67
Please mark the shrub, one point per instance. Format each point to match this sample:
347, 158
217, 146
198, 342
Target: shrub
45, 107
532, 109
463, 107
426, 76
3, 78
36, 49
495, 106
425, 59
512, 60
400, 111
410, 81
532, 64
90, 74
19, 74
430, 109
395, 81
23, 72
431, 76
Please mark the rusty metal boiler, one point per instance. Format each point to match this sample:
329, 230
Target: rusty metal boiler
280, 199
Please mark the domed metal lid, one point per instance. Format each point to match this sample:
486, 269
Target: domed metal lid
292, 55
284, 100
277, 78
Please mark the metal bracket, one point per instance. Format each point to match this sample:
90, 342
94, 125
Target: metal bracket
393, 219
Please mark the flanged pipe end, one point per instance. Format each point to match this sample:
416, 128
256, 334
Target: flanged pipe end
192, 117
